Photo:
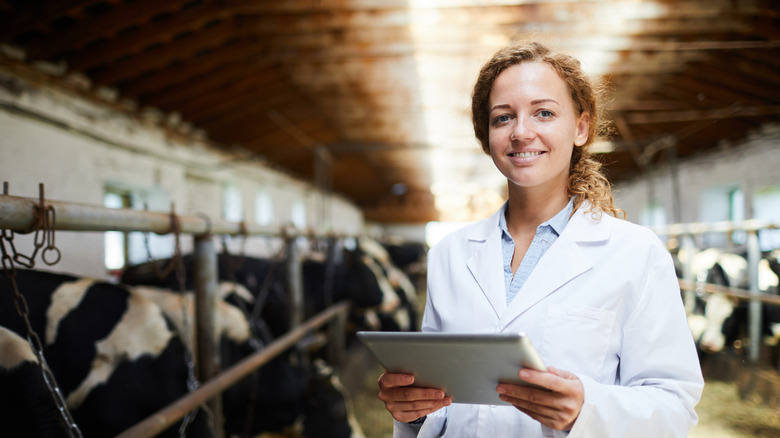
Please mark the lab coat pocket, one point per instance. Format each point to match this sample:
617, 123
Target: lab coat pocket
577, 338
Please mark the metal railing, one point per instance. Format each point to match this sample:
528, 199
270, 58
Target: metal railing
686, 232
21, 215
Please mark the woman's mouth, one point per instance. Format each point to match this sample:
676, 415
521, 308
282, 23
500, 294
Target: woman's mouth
525, 154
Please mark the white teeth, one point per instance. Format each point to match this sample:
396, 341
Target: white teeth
525, 154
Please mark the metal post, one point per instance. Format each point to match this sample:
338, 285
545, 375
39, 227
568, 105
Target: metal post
294, 284
336, 340
687, 248
205, 276
754, 309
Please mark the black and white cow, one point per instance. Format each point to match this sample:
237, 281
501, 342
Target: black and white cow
118, 353
281, 394
719, 321
27, 406
115, 354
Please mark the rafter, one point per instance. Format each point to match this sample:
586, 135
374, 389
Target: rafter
694, 115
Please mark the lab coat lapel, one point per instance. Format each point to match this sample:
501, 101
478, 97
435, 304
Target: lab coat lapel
486, 264
562, 262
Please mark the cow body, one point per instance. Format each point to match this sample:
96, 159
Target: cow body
720, 322
285, 394
114, 353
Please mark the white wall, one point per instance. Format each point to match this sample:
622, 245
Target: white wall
77, 147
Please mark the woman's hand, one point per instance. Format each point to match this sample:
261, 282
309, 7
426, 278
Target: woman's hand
406, 403
557, 408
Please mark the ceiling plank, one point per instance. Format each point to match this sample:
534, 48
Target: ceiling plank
33, 15
234, 54
157, 32
106, 25
217, 86
694, 115
210, 38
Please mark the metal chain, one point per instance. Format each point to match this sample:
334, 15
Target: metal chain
177, 266
45, 220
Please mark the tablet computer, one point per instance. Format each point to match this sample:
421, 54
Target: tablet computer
468, 367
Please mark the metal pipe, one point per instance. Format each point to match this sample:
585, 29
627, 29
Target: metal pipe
754, 306
163, 419
687, 247
18, 214
740, 294
715, 227
207, 353
294, 284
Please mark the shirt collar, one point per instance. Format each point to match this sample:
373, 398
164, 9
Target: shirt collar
557, 222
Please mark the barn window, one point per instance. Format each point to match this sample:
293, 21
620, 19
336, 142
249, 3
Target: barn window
722, 203
766, 206
116, 242
737, 214
232, 207
298, 216
264, 208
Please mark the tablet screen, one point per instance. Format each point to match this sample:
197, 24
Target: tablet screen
466, 366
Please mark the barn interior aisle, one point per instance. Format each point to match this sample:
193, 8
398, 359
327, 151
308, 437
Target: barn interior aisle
290, 154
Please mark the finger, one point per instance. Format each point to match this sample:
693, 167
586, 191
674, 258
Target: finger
562, 373
549, 421
404, 413
543, 409
558, 381
527, 395
558, 419
391, 380
410, 394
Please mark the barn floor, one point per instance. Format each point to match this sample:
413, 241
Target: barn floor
722, 413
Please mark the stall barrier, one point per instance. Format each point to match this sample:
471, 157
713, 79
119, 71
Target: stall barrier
27, 215
685, 233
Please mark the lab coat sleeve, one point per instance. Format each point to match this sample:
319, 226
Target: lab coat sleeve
660, 376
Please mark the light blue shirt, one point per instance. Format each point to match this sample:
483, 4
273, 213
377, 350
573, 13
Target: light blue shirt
546, 234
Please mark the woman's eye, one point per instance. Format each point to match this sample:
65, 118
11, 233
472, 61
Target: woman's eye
501, 119
546, 113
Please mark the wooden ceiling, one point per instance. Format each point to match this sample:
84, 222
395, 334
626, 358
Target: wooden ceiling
371, 98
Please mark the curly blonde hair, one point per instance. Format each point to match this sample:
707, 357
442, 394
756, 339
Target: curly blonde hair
586, 180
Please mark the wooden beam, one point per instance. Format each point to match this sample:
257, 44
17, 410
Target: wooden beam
746, 83
243, 52
694, 115
238, 99
156, 32
217, 86
160, 57
106, 25
26, 16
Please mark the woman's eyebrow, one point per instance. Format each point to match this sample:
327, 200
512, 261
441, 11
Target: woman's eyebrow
538, 101
500, 105
533, 102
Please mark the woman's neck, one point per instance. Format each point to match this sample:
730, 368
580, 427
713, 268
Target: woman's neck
527, 209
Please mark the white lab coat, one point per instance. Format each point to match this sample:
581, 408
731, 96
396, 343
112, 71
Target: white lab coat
603, 303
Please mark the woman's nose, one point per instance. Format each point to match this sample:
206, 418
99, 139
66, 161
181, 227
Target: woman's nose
521, 129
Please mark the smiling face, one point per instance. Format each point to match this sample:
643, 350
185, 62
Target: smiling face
533, 127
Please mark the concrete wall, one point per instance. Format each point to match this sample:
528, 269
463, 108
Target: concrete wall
80, 147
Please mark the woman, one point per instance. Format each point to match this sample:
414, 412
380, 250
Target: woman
596, 295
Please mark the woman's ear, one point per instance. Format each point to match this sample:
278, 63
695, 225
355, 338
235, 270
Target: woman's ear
583, 129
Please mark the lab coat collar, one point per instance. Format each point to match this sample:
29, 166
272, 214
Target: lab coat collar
562, 262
